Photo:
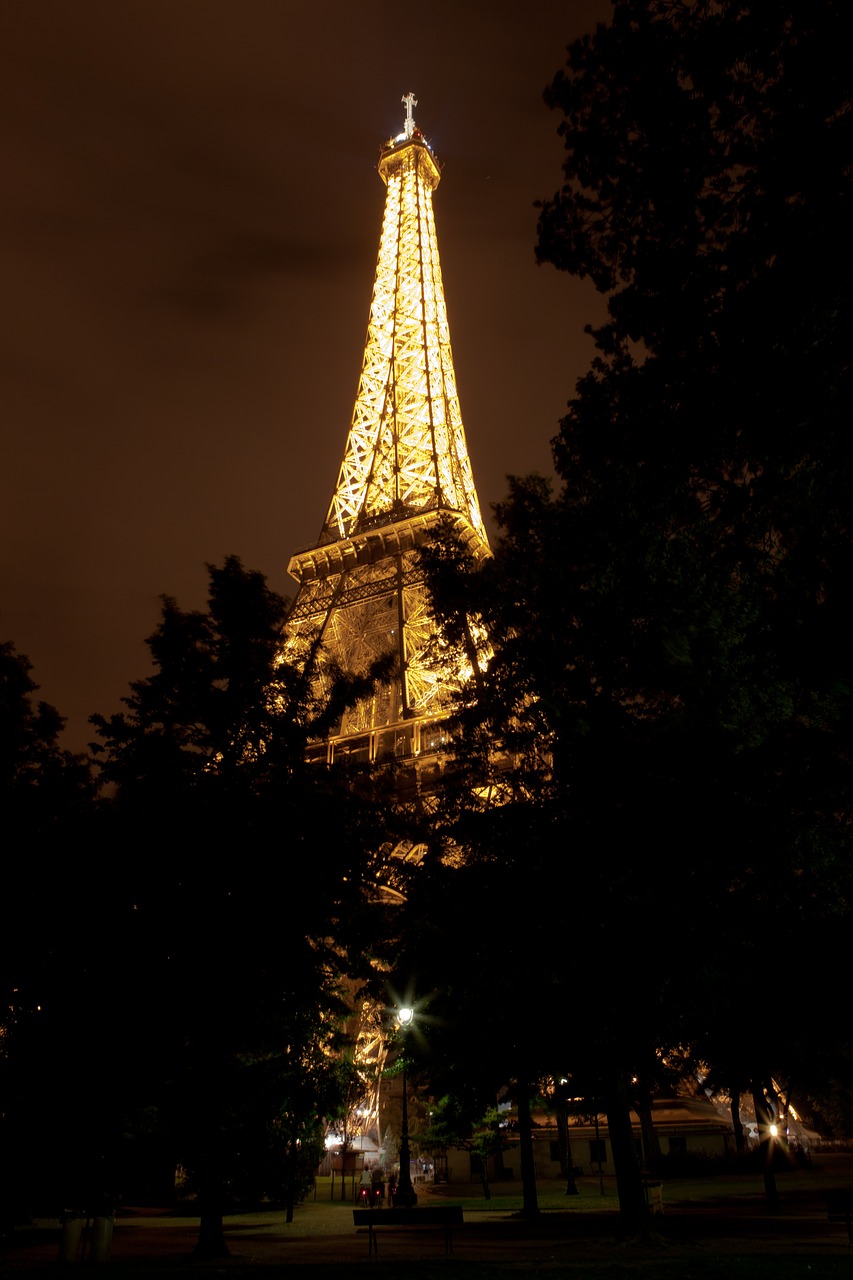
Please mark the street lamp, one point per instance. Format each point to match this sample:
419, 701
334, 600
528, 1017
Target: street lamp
406, 1195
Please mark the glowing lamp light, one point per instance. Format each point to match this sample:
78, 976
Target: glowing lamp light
405, 1016
774, 1131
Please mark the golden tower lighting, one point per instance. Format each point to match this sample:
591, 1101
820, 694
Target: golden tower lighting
406, 467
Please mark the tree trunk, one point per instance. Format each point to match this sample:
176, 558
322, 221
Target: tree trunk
740, 1144
484, 1177
571, 1185
530, 1201
211, 1238
633, 1211
293, 1163
344, 1146
565, 1144
766, 1145
651, 1146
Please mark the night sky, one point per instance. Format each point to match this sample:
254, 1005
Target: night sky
191, 216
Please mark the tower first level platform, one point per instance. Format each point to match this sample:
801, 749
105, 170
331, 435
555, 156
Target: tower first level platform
406, 468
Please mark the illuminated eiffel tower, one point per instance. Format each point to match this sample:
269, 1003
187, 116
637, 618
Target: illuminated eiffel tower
406, 468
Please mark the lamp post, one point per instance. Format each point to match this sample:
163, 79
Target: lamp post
406, 1195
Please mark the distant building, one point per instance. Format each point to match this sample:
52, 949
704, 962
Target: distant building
685, 1127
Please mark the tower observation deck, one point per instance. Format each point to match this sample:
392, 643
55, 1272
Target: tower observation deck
406, 467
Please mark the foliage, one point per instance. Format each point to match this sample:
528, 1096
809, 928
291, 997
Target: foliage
666, 713
41, 785
221, 713
705, 514
46, 798
248, 905
210, 759
451, 1125
191, 977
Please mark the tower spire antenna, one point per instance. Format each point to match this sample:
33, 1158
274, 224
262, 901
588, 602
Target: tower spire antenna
405, 471
410, 102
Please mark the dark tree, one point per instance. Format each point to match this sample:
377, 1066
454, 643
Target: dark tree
669, 696
706, 457
46, 798
240, 864
41, 784
453, 1124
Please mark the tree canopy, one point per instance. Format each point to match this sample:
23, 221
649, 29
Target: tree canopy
204, 928
249, 882
669, 695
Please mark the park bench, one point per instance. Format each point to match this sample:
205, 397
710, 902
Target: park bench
439, 1215
839, 1208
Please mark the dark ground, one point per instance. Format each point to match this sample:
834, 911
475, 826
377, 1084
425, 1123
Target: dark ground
724, 1234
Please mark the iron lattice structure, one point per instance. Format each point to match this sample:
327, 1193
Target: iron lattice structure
406, 467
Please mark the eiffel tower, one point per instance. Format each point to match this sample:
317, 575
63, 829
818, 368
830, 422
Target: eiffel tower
406, 468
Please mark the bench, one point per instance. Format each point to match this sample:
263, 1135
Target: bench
440, 1215
839, 1208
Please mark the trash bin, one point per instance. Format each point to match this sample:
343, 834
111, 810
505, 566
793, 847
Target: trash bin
73, 1222
102, 1238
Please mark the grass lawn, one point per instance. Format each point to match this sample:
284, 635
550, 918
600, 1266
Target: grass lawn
711, 1229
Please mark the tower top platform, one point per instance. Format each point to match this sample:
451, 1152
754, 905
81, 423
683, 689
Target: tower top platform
409, 146
397, 154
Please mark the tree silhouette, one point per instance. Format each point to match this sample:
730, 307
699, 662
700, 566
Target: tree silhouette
46, 796
245, 878
669, 694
